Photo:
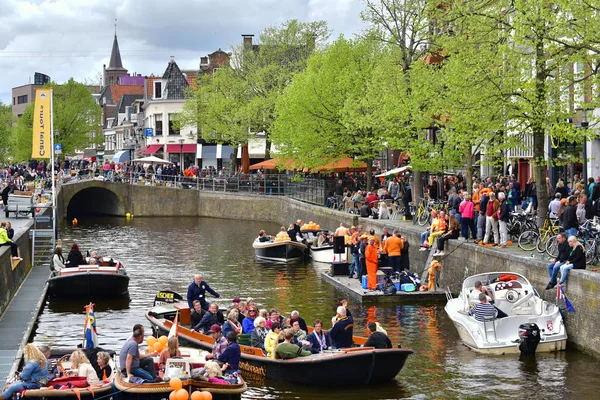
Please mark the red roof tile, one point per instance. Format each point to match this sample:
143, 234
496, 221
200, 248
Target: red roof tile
118, 91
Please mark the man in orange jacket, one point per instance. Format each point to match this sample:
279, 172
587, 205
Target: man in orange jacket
393, 247
372, 259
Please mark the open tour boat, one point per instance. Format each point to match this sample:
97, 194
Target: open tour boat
515, 296
104, 280
351, 366
280, 251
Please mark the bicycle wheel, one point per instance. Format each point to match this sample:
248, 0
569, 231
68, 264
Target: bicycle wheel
415, 216
542, 241
423, 218
528, 240
552, 247
590, 252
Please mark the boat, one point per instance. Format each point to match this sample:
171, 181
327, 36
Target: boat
107, 279
339, 367
280, 251
515, 296
324, 254
60, 358
191, 359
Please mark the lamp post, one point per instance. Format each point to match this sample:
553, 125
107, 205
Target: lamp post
181, 155
584, 124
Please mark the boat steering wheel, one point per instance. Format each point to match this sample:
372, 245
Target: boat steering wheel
512, 296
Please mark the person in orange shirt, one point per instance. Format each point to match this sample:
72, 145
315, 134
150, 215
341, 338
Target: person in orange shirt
393, 247
375, 237
372, 259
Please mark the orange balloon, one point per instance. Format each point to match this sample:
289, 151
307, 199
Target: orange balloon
151, 340
173, 395
163, 339
175, 383
182, 394
158, 346
206, 395
197, 396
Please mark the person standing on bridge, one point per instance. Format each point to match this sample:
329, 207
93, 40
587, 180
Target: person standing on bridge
197, 291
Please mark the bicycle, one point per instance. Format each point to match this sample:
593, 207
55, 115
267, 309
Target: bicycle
550, 229
529, 237
419, 211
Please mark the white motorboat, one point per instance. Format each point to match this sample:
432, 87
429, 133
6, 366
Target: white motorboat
515, 296
325, 254
280, 251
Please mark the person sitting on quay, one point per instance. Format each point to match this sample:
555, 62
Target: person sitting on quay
220, 343
272, 339
258, 335
262, 237
483, 310
287, 349
576, 259
377, 339
563, 255
232, 324
371, 199
231, 355
34, 375
248, 322
197, 314
212, 317
319, 339
197, 291
425, 235
452, 233
342, 330
9, 230
366, 211
295, 316
358, 198
130, 359
5, 241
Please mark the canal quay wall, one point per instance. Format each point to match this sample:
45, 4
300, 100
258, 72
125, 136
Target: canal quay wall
461, 260
11, 279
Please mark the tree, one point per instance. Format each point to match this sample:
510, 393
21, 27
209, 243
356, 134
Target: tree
549, 54
76, 120
241, 99
324, 114
404, 25
7, 121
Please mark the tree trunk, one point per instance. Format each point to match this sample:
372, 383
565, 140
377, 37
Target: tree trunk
539, 132
469, 168
369, 173
417, 191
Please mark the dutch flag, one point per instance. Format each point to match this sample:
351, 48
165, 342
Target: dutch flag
561, 295
91, 337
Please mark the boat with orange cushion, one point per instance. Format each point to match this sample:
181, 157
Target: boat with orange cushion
349, 366
106, 279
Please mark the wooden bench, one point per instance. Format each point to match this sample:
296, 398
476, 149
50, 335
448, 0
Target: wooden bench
20, 205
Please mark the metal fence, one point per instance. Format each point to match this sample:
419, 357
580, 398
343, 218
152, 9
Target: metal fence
310, 190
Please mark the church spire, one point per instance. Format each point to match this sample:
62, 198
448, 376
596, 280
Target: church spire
115, 55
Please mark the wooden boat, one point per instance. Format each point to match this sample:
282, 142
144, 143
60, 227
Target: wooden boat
93, 281
61, 357
283, 251
351, 366
161, 390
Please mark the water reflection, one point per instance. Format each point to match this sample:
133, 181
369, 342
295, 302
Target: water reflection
165, 253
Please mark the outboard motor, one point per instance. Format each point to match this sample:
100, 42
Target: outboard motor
529, 338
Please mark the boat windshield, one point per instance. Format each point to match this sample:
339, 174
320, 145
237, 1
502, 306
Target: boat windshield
492, 277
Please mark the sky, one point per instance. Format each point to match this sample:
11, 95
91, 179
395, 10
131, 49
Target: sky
73, 38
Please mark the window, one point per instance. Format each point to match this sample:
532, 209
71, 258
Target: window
172, 130
22, 99
14, 101
158, 125
157, 90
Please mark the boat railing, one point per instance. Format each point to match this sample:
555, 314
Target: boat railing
448, 293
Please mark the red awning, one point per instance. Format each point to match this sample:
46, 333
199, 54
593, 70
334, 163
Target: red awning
178, 148
153, 148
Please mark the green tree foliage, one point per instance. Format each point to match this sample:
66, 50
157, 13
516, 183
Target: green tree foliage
540, 46
76, 120
6, 129
240, 99
327, 112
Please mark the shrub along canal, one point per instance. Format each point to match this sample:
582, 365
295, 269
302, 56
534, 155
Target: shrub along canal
165, 253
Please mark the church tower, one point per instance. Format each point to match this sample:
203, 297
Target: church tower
115, 67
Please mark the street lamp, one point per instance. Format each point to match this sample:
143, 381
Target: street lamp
181, 155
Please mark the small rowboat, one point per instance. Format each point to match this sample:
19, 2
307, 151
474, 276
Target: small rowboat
90, 281
283, 251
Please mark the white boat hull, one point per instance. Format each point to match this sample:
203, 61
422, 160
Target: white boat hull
325, 254
279, 251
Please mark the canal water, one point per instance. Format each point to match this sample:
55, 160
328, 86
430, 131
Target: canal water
165, 253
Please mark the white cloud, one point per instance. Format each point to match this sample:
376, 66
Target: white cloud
73, 38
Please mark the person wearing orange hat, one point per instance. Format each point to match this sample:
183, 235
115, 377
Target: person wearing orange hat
372, 260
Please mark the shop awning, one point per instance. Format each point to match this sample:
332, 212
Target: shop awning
343, 165
178, 148
273, 163
153, 148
